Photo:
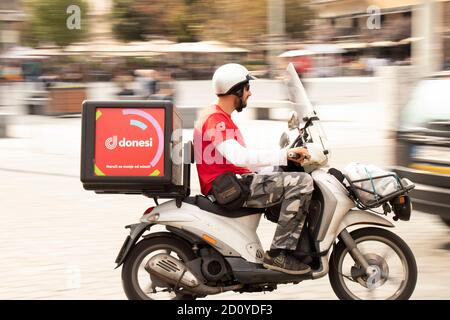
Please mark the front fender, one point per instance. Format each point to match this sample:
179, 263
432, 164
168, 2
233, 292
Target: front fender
354, 217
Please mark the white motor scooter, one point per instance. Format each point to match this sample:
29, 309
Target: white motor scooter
208, 250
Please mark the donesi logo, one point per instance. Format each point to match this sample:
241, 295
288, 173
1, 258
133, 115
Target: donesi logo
111, 143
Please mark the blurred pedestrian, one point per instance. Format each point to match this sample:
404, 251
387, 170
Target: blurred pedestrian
125, 85
147, 81
164, 86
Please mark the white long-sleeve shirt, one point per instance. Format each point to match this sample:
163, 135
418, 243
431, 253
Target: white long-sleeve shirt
241, 156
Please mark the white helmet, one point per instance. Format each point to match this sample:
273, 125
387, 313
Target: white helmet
228, 78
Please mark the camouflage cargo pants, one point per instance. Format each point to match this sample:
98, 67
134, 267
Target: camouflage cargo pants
293, 190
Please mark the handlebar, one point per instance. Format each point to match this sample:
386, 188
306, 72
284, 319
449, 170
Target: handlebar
293, 155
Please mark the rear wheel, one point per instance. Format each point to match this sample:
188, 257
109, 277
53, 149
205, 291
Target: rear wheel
388, 255
138, 284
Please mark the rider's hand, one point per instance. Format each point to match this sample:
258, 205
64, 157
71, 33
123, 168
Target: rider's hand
302, 152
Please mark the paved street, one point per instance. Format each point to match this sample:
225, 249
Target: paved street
59, 241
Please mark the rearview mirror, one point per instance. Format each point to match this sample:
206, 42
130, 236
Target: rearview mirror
293, 121
284, 140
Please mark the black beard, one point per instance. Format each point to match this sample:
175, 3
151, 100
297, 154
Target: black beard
241, 105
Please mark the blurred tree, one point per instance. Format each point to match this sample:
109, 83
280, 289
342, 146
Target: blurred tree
55, 21
299, 17
232, 20
138, 19
128, 22
194, 20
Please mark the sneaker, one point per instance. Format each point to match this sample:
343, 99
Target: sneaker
285, 263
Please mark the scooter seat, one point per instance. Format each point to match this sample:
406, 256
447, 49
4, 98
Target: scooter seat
205, 204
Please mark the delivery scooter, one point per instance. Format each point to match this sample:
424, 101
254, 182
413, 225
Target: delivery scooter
208, 250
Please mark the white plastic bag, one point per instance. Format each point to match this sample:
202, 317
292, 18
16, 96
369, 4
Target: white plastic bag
382, 187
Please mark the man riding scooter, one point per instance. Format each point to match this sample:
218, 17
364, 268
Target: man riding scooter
220, 151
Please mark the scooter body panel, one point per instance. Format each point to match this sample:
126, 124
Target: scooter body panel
338, 213
235, 237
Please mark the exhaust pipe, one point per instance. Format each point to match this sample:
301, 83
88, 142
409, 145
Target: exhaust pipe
176, 273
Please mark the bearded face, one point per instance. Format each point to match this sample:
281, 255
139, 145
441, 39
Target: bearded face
240, 104
240, 101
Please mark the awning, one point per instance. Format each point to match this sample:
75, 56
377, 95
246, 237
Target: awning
383, 44
295, 53
204, 47
394, 43
410, 40
150, 48
324, 48
30, 53
117, 49
352, 45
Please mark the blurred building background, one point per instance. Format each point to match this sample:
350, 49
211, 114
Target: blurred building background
11, 17
407, 30
194, 37
137, 49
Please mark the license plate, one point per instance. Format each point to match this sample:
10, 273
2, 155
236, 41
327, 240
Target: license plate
431, 154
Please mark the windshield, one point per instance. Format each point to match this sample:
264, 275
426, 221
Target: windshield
302, 105
429, 102
297, 94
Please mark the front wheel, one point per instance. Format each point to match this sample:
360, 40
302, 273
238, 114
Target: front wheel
396, 270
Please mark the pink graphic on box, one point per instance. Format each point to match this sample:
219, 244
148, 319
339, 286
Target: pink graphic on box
156, 125
127, 146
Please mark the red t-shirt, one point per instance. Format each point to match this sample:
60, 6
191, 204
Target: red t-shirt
214, 127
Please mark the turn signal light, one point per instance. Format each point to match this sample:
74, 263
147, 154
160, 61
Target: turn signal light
209, 239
